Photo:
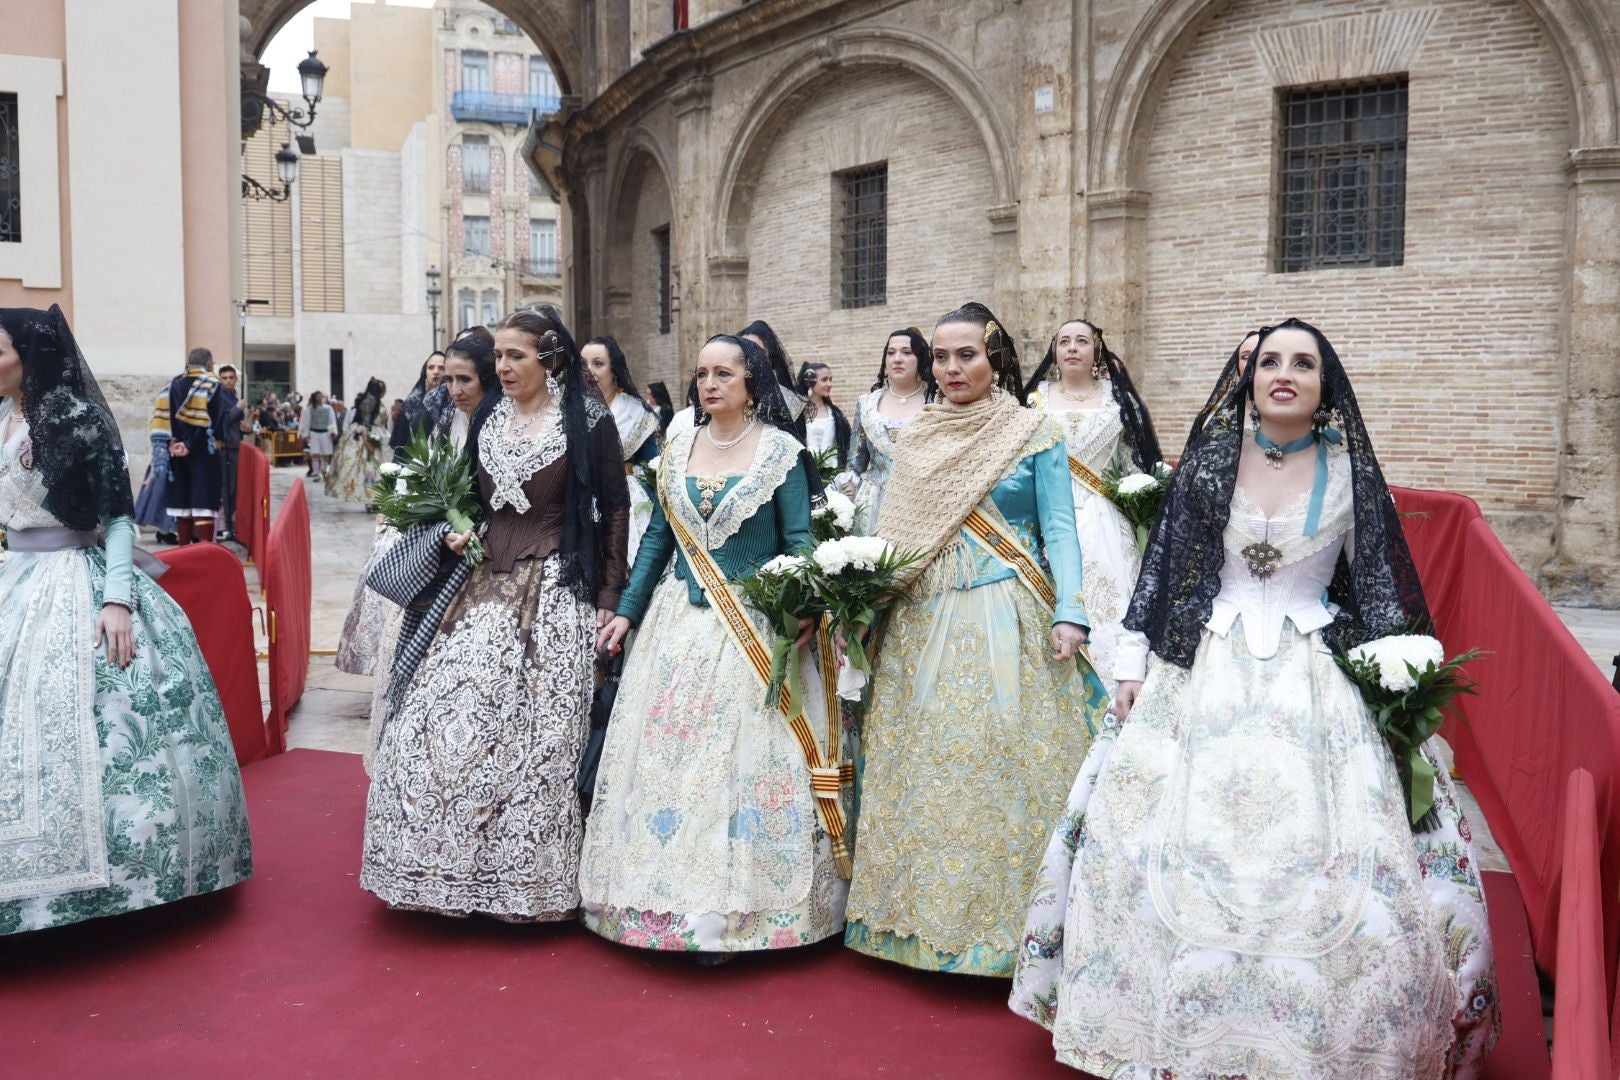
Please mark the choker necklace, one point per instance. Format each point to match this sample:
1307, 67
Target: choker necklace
1064, 390
903, 398
1275, 451
728, 444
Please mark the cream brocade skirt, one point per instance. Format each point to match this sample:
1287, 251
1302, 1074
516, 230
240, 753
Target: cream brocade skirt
703, 833
972, 737
1109, 565
1234, 889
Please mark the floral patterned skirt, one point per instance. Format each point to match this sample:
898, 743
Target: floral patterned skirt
473, 807
354, 464
972, 736
118, 787
1108, 575
703, 833
369, 614
1234, 889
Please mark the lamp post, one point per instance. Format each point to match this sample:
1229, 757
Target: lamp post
433, 295
311, 76
286, 172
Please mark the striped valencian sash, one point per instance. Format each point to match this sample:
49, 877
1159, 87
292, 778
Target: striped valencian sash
1004, 545
1087, 476
827, 774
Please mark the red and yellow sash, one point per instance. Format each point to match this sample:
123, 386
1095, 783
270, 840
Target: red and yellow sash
828, 775
1004, 545
1087, 476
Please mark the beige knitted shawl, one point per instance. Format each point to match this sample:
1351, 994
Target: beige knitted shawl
946, 461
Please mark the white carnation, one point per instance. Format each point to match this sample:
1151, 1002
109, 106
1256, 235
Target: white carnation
860, 552
784, 564
401, 487
840, 508
390, 469
1393, 654
655, 462
1137, 482
830, 556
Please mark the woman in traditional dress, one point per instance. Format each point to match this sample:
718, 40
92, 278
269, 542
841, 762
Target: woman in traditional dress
637, 424
119, 782
760, 333
472, 805
359, 450
704, 832
316, 426
981, 708
905, 383
151, 505
1083, 386
1236, 887
826, 427
469, 376
423, 408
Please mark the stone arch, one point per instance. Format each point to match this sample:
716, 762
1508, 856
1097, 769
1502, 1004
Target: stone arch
640, 192
1580, 33
803, 76
550, 24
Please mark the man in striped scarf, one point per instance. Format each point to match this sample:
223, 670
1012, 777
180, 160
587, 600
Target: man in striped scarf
197, 422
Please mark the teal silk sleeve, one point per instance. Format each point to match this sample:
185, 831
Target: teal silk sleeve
120, 585
1054, 507
657, 543
792, 502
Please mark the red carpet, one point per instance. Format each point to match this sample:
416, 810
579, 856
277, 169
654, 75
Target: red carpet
298, 973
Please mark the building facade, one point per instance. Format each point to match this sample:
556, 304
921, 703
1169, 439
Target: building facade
419, 166
1434, 183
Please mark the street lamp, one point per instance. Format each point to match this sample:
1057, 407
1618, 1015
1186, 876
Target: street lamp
286, 171
433, 295
312, 76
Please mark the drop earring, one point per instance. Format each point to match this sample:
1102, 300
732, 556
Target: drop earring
1321, 417
1254, 413
1096, 368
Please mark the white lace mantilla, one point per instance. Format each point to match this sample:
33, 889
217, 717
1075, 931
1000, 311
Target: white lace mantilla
636, 423
511, 459
774, 458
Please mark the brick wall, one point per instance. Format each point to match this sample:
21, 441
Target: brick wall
938, 234
1455, 355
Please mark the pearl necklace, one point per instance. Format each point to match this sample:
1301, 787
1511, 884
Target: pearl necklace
727, 445
903, 398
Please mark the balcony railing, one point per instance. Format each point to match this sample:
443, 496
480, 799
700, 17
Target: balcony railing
492, 108
541, 266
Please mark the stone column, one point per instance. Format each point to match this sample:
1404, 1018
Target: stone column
1586, 567
591, 277
688, 191
1005, 299
1116, 233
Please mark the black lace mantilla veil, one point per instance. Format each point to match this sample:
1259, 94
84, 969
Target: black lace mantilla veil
75, 442
1140, 437
1377, 589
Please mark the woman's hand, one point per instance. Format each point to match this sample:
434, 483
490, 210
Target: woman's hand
178, 448
603, 617
1124, 698
457, 542
1067, 637
807, 627
114, 627
610, 639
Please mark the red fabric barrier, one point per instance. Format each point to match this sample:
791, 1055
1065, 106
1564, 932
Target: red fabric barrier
253, 503
1544, 710
287, 576
208, 584
1580, 1010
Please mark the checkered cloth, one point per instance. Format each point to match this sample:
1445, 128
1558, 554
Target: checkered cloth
421, 576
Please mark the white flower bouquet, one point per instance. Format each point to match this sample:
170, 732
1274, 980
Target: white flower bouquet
1139, 497
647, 473
1408, 684
854, 577
429, 482
835, 518
782, 591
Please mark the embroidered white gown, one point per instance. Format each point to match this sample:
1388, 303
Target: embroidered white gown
1110, 558
638, 437
1234, 888
873, 456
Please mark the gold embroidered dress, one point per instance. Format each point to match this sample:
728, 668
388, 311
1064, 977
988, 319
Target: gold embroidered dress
1234, 888
703, 832
973, 731
1095, 438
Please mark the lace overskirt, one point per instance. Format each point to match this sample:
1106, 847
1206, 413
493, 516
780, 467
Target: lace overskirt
1234, 889
472, 805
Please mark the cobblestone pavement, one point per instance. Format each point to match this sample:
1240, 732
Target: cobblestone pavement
336, 706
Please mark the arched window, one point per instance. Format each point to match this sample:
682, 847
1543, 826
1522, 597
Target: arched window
492, 307
468, 305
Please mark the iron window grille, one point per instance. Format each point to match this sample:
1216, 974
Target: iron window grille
10, 173
475, 236
864, 232
1342, 176
474, 70
475, 163
661, 245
